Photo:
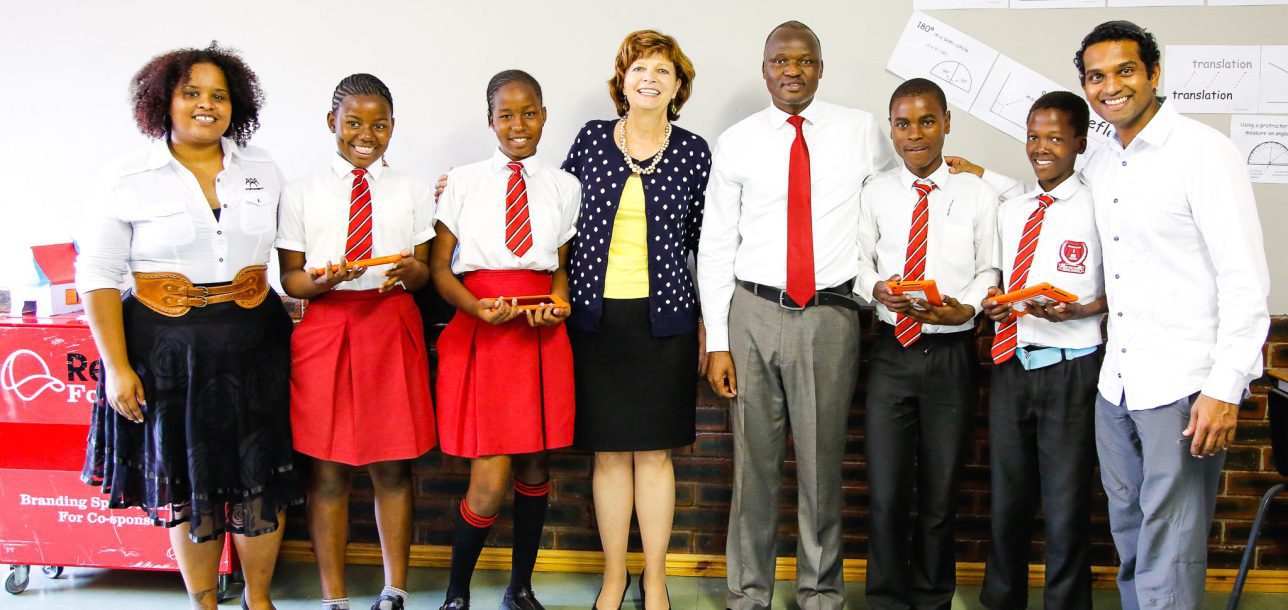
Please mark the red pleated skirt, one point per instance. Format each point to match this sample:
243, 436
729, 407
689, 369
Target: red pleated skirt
507, 389
360, 379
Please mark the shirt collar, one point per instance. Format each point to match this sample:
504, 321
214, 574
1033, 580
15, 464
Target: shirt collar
812, 114
344, 169
159, 154
1066, 189
500, 161
939, 177
1158, 128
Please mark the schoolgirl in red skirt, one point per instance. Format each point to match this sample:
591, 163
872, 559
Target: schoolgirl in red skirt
359, 368
505, 386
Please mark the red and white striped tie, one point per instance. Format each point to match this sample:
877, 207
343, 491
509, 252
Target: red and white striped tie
518, 230
908, 330
358, 245
1007, 339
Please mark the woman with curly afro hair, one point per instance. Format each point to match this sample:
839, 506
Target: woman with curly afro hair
192, 418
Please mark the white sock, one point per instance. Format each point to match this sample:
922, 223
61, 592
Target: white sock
392, 592
341, 603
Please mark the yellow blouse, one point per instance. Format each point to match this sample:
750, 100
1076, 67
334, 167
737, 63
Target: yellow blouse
627, 273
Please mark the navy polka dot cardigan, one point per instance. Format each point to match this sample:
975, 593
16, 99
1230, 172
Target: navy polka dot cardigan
673, 200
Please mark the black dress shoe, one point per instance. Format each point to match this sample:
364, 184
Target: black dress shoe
644, 604
620, 603
523, 599
396, 603
456, 603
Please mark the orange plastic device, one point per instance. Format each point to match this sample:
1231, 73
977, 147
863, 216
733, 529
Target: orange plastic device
366, 262
919, 289
535, 301
1039, 293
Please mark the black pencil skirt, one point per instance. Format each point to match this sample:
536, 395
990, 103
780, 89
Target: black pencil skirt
635, 392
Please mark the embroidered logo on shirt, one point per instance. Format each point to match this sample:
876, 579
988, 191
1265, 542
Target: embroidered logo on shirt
1072, 254
252, 184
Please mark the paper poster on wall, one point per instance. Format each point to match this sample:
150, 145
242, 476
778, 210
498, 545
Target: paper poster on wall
1274, 80
1006, 95
932, 49
1263, 140
1057, 3
1131, 3
1212, 78
926, 5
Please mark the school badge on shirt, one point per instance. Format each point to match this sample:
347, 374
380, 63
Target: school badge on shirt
1072, 255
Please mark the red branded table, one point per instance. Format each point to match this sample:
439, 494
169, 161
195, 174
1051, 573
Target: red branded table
49, 372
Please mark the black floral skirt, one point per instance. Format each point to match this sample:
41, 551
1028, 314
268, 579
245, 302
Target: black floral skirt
214, 449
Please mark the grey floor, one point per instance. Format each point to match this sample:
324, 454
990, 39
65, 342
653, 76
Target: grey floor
296, 588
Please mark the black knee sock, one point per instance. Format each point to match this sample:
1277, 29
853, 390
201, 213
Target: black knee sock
467, 542
530, 503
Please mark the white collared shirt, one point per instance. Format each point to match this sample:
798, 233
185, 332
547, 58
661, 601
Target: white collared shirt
1067, 257
744, 230
148, 214
1185, 269
473, 209
960, 246
314, 217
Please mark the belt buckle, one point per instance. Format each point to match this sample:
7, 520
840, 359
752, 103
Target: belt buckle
784, 305
204, 300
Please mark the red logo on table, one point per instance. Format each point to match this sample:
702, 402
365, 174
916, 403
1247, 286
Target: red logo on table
1072, 255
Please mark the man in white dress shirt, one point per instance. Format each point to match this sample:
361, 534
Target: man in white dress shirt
776, 264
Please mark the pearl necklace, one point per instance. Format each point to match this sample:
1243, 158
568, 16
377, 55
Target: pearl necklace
657, 157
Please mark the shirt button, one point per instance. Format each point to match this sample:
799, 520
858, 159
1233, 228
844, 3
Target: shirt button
1120, 314
219, 232
1116, 276
1115, 238
1124, 349
222, 260
1115, 200
225, 206
1120, 375
1124, 164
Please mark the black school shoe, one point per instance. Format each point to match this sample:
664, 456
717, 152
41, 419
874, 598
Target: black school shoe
456, 603
523, 599
396, 603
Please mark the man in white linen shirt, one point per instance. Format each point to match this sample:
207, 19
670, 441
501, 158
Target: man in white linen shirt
776, 264
1186, 278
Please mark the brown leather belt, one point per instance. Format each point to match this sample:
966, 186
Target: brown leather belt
173, 294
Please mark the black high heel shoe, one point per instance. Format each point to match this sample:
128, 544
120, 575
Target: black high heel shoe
625, 590
643, 603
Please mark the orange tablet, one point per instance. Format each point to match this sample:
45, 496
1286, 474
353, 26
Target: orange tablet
1041, 294
366, 262
919, 289
537, 300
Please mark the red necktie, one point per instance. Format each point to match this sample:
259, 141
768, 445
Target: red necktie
518, 231
907, 330
1006, 340
358, 245
800, 221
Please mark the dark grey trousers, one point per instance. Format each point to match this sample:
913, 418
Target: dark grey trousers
1041, 439
795, 369
919, 407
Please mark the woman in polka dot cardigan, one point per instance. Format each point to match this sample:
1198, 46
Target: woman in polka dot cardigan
634, 328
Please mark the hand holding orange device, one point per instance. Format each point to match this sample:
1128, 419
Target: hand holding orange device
1040, 294
918, 289
359, 264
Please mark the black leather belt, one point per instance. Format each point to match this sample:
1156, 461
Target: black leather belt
838, 296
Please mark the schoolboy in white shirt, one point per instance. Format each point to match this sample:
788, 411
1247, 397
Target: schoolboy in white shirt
919, 222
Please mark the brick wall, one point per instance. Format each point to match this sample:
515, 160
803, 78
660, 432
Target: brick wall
704, 475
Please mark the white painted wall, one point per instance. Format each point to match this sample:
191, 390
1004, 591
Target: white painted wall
65, 68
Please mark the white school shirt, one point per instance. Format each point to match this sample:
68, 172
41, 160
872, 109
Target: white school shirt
148, 214
960, 248
744, 228
1185, 269
1067, 257
473, 209
314, 217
